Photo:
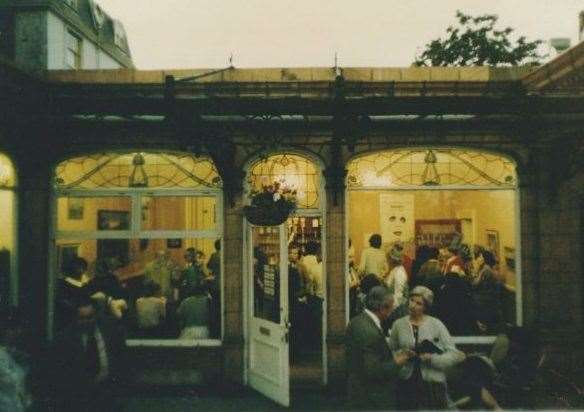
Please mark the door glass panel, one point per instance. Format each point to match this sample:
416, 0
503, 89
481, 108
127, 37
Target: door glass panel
179, 213
93, 213
266, 272
305, 285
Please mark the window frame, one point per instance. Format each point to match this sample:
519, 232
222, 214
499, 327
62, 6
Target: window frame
135, 232
465, 339
78, 54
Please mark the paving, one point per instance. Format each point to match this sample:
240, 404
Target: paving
228, 399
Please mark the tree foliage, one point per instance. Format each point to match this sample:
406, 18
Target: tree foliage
476, 42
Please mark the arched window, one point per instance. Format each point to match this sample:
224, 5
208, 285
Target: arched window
432, 167
8, 278
295, 171
154, 220
450, 212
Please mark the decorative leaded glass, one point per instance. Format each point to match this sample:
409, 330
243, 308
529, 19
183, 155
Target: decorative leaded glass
7, 177
123, 170
431, 167
296, 172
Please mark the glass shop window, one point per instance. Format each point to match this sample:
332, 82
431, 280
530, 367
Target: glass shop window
171, 287
145, 230
103, 213
444, 219
7, 233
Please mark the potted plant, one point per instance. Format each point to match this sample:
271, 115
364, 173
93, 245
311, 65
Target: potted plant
271, 205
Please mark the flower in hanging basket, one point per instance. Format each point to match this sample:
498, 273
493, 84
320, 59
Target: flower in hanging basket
271, 205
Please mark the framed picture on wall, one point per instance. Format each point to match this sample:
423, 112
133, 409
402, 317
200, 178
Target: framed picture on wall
173, 243
75, 208
436, 232
493, 242
113, 220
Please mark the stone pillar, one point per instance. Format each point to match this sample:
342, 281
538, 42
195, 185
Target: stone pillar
233, 243
557, 256
336, 273
34, 194
529, 227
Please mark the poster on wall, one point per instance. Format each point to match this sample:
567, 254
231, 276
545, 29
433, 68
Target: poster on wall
436, 232
396, 217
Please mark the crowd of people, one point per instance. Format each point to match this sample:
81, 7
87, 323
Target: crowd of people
469, 290
167, 301
418, 366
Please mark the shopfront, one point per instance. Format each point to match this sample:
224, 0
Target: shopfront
152, 190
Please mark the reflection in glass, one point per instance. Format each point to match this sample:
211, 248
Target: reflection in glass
266, 272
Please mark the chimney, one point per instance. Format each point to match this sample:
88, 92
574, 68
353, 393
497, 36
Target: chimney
560, 44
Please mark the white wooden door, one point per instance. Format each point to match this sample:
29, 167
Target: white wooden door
269, 367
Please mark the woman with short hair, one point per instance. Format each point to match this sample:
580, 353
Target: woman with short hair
373, 258
422, 382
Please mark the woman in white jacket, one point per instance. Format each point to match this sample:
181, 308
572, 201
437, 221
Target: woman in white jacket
396, 279
422, 383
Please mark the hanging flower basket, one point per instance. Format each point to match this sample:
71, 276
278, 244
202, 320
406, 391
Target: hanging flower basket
271, 206
267, 216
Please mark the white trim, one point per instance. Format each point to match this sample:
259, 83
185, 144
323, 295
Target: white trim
128, 234
518, 268
474, 340
144, 191
319, 212
438, 188
173, 343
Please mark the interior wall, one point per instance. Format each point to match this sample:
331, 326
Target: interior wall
490, 210
160, 213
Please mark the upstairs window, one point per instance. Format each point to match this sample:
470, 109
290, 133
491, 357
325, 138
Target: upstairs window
73, 51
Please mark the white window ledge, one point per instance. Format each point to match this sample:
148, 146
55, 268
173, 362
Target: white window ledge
474, 340
172, 343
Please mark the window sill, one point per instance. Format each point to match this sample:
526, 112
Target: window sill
172, 343
474, 340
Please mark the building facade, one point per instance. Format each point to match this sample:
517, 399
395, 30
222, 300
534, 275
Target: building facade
137, 167
62, 35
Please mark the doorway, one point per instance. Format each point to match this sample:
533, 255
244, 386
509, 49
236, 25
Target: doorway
286, 307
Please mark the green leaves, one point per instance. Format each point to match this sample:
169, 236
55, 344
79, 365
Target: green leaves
475, 42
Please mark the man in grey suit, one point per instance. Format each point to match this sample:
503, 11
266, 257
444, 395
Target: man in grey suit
372, 369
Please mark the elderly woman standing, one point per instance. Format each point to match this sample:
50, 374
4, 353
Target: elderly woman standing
422, 383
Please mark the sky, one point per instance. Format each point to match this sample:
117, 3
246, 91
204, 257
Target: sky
174, 34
